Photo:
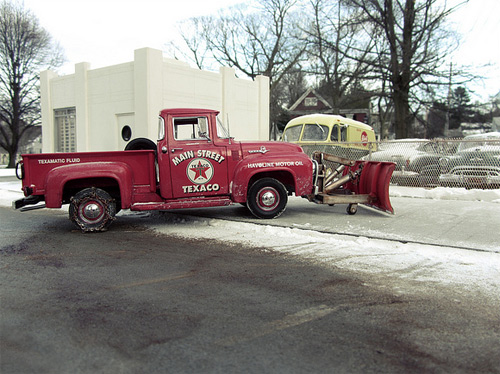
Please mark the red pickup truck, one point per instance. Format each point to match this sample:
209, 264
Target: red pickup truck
195, 163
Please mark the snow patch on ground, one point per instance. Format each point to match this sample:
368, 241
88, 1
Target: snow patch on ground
446, 193
9, 191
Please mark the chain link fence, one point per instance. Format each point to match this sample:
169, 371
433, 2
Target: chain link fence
472, 162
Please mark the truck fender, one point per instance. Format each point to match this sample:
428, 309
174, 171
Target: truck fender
300, 173
242, 177
58, 177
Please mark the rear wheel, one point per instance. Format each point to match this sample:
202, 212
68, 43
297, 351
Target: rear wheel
267, 198
92, 209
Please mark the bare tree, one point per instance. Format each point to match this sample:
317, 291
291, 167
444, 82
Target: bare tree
194, 47
414, 44
25, 49
393, 50
255, 40
338, 52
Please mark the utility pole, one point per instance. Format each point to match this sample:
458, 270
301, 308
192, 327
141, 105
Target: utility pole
447, 122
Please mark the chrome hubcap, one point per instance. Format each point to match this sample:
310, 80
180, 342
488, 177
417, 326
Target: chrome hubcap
92, 211
268, 199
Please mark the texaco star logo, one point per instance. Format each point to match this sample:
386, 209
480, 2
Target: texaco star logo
200, 171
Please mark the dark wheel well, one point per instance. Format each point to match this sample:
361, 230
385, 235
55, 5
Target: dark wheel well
109, 185
283, 176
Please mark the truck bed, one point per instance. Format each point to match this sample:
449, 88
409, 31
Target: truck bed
36, 168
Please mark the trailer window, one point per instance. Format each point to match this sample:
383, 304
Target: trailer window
189, 128
335, 134
315, 132
292, 134
343, 133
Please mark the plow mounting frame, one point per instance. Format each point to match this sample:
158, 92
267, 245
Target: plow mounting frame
344, 181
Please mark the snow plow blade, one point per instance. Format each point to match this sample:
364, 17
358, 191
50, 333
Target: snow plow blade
345, 181
374, 181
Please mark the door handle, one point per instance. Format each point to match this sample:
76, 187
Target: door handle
176, 149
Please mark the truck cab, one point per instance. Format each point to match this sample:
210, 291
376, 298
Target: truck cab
197, 159
194, 158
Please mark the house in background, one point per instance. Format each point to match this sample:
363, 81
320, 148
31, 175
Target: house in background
102, 109
312, 102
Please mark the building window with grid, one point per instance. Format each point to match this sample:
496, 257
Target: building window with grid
311, 101
65, 123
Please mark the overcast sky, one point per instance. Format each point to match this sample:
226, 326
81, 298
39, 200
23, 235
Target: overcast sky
106, 32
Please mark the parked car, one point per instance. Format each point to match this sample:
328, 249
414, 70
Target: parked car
417, 160
476, 163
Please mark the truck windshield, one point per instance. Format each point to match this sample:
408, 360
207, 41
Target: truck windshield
222, 131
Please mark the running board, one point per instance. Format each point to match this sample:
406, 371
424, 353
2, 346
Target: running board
182, 204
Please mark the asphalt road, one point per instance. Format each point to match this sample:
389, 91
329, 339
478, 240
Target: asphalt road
133, 301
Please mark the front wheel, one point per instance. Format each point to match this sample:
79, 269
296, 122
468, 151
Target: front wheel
92, 209
267, 198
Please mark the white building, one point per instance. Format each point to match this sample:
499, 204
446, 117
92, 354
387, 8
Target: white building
102, 109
